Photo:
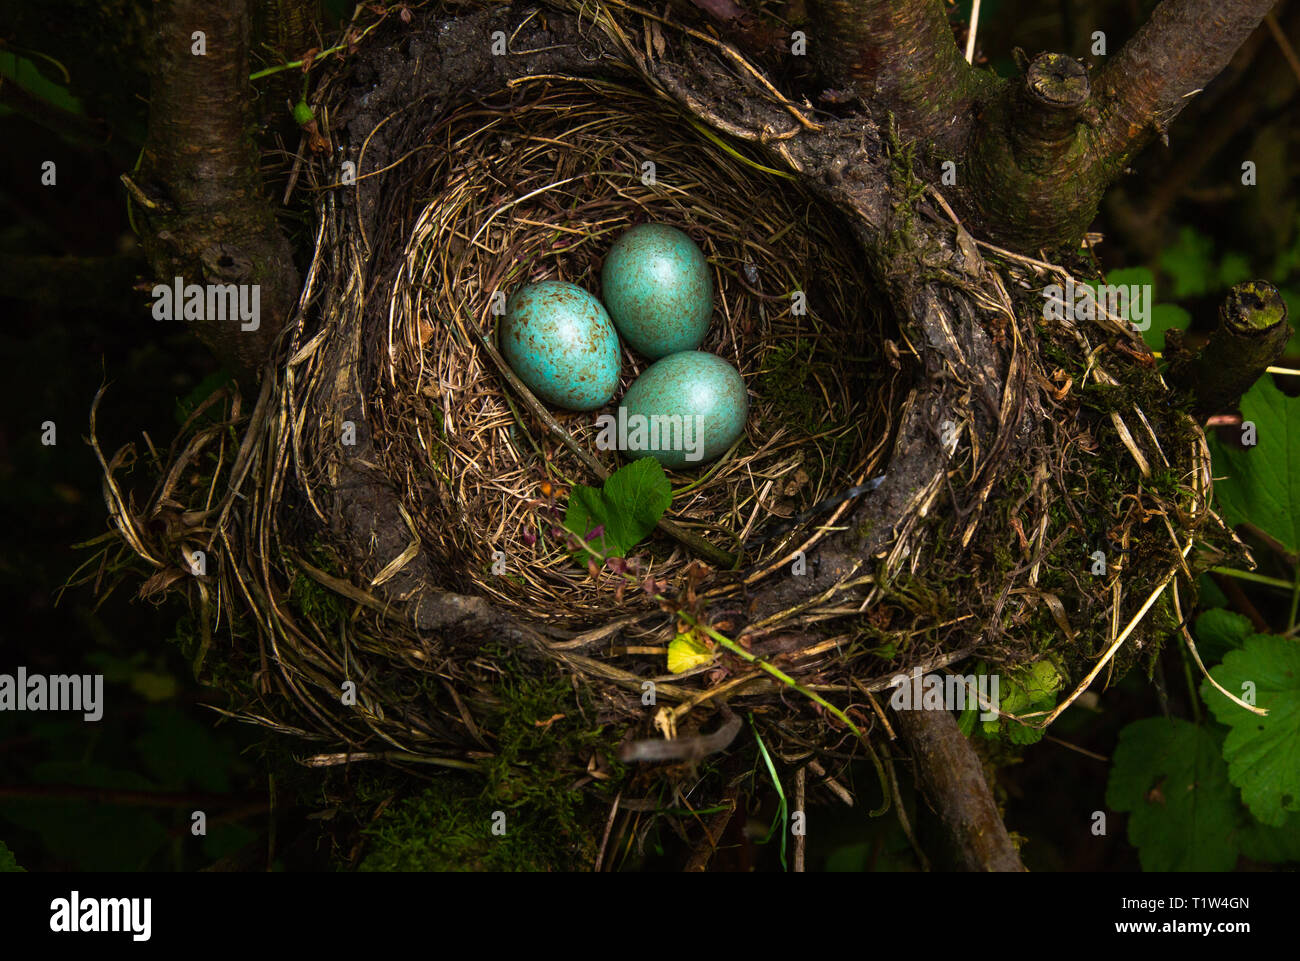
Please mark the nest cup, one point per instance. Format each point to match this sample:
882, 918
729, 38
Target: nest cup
535, 184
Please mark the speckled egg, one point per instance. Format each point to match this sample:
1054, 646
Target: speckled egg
657, 288
684, 410
558, 339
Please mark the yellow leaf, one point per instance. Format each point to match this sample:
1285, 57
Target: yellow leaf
685, 652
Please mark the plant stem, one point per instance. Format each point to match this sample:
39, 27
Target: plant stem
1257, 578
293, 64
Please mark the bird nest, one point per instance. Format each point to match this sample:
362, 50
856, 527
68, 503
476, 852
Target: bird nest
382, 520
533, 184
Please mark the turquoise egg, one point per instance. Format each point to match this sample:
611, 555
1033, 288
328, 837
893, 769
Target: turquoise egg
684, 410
657, 288
558, 339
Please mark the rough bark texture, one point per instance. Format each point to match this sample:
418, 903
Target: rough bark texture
1181, 48
1033, 160
206, 218
1028, 175
901, 55
952, 779
1252, 334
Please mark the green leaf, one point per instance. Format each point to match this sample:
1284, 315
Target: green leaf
1187, 262
1128, 276
1219, 631
1288, 260
28, 74
1165, 317
1022, 692
1168, 773
1264, 843
179, 752
1263, 753
1291, 298
204, 389
1262, 485
83, 834
8, 863
685, 652
628, 507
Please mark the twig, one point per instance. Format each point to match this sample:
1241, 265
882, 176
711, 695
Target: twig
1191, 646
800, 839
1115, 646
974, 29
609, 824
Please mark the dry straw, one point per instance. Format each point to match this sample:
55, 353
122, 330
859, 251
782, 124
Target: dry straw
536, 183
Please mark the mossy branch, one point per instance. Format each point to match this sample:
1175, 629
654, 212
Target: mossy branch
1182, 47
1252, 334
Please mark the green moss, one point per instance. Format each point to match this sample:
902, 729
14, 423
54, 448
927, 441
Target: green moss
449, 827
786, 382
533, 792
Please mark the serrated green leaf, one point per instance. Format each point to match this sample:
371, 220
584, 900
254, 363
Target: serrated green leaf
1261, 842
638, 494
1263, 753
1218, 632
627, 507
1022, 692
1168, 773
1262, 485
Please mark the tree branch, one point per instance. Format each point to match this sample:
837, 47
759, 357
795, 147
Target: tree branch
901, 56
212, 222
1252, 334
951, 776
1184, 46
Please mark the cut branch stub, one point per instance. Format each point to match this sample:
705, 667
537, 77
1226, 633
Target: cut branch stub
1051, 98
1252, 334
1031, 181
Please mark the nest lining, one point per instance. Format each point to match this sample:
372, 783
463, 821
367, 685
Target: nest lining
536, 183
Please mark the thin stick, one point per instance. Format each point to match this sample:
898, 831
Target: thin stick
1191, 646
974, 29
1123, 636
609, 823
1283, 43
800, 839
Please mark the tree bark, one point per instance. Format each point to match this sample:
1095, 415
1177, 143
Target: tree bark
951, 776
1181, 48
199, 191
1033, 156
900, 56
1252, 334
